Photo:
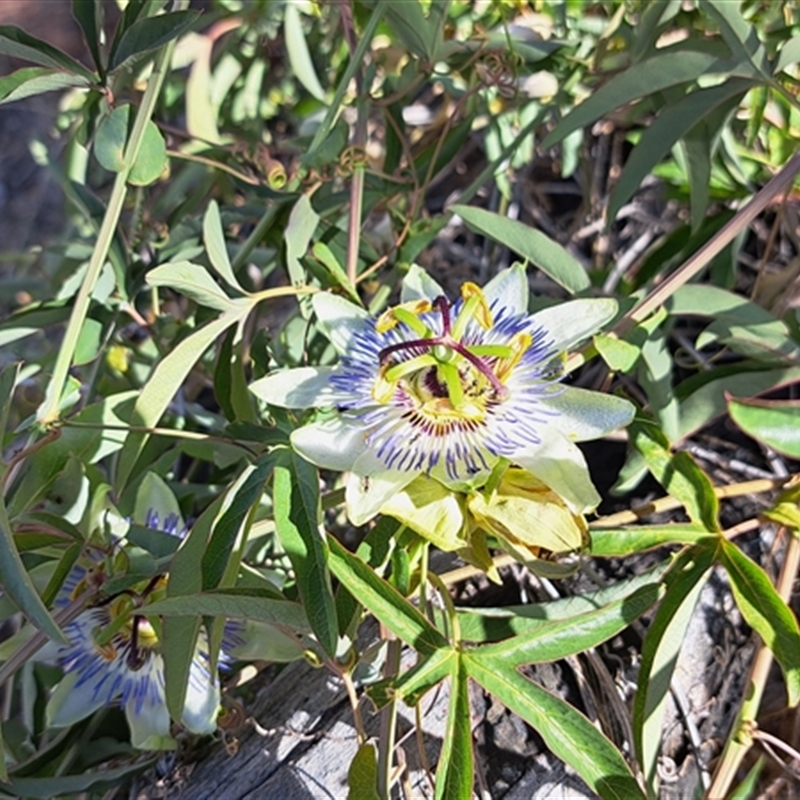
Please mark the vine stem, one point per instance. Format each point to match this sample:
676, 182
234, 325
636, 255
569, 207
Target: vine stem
358, 145
49, 410
741, 738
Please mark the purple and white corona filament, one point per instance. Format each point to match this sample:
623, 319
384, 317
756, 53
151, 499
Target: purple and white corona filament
458, 385
448, 389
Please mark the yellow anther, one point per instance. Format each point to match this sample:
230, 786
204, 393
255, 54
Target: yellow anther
407, 313
518, 343
383, 389
475, 300
107, 651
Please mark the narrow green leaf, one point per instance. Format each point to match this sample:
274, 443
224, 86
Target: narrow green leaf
766, 613
409, 23
299, 54
16, 43
31, 81
148, 34
29, 321
233, 524
356, 62
214, 240
167, 378
660, 652
14, 578
384, 601
302, 223
670, 68
297, 522
85, 11
739, 34
561, 638
178, 648
549, 256
619, 542
775, 423
674, 122
325, 256
454, 772
195, 282
678, 474
232, 604
699, 405
617, 353
568, 733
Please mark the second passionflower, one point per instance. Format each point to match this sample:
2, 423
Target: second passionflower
447, 389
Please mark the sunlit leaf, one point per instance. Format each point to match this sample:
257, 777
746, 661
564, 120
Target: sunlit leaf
298, 52
678, 474
568, 733
31, 81
384, 601
454, 773
775, 423
766, 613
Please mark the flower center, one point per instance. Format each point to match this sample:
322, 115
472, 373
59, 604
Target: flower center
445, 378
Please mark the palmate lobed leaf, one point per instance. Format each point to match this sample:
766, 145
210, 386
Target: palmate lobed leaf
412, 684
496, 624
561, 638
568, 733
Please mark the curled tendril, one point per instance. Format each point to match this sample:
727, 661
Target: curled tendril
352, 158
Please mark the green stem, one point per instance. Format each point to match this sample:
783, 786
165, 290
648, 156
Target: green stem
49, 410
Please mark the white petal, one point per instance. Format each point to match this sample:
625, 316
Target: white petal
303, 387
69, 703
558, 463
510, 289
150, 727
572, 322
365, 495
339, 319
202, 702
583, 415
332, 444
418, 285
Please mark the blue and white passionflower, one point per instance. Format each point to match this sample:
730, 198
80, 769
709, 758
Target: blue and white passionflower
447, 389
113, 656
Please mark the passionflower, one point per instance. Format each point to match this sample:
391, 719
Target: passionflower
114, 656
449, 388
